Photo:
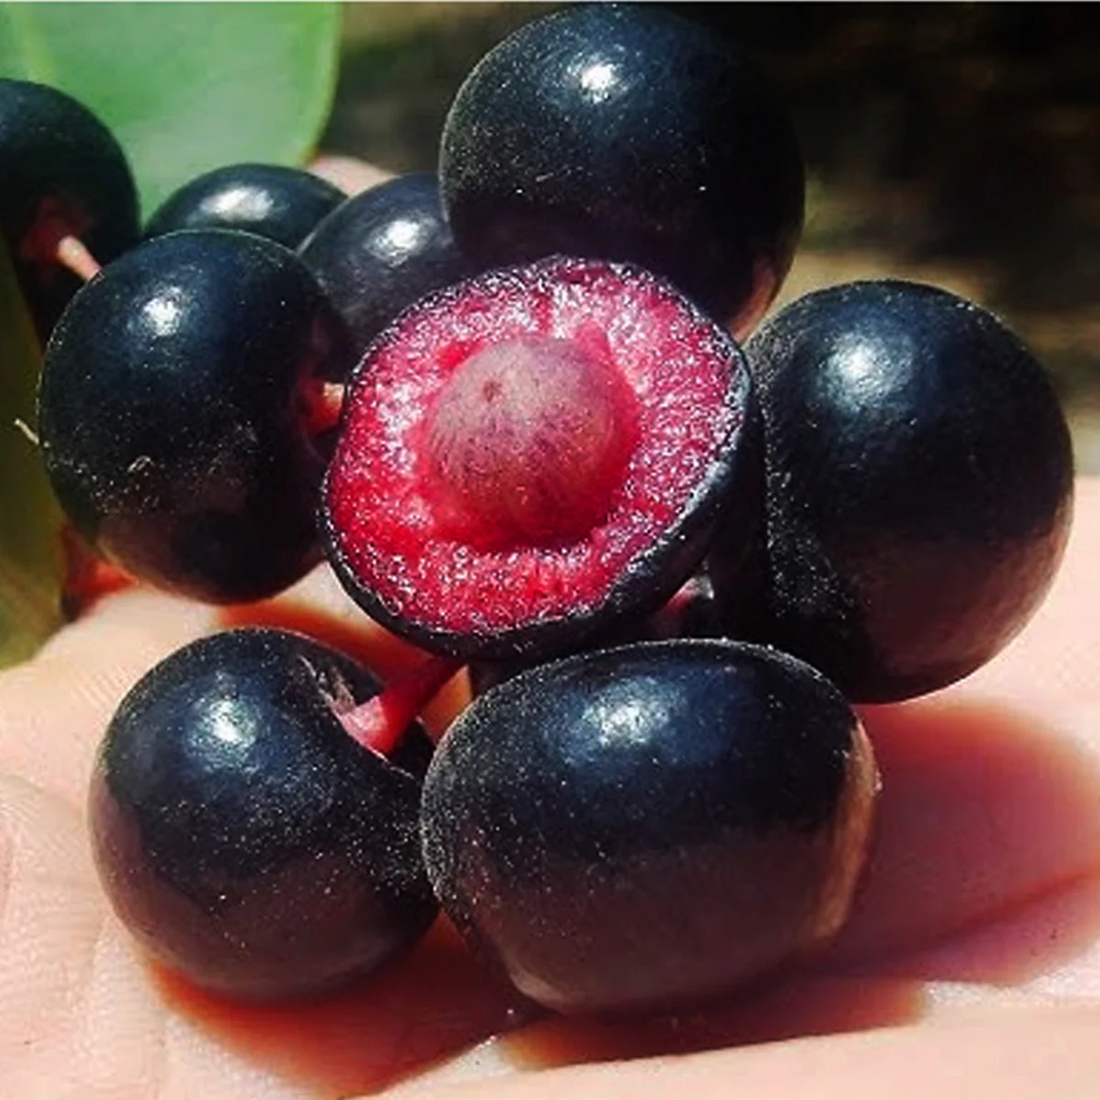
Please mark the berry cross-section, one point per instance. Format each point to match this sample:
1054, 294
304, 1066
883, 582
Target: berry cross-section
528, 456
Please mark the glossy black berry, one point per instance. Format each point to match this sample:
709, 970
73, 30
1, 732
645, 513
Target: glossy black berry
243, 836
175, 412
627, 133
532, 456
642, 828
382, 250
919, 481
280, 203
61, 173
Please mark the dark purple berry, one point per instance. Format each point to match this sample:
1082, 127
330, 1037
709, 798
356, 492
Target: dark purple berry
176, 413
382, 250
646, 827
919, 483
531, 456
625, 132
280, 203
62, 173
243, 836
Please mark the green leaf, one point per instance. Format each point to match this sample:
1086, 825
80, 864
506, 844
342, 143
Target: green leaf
31, 565
185, 87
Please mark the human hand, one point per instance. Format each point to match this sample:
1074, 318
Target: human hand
970, 964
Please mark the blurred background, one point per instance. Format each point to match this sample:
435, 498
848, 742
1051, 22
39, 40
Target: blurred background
958, 144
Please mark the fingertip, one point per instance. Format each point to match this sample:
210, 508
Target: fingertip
348, 173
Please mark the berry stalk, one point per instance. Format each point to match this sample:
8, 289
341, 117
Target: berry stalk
380, 722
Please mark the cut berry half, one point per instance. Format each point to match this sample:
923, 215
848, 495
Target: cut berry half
528, 457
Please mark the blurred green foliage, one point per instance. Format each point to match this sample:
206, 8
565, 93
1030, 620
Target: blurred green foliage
185, 87
30, 522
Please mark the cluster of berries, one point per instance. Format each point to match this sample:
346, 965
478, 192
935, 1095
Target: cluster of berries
515, 397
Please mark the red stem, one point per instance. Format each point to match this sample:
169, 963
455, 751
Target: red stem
379, 723
323, 403
72, 253
53, 238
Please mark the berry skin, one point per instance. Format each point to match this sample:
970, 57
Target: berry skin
62, 173
528, 458
243, 836
382, 250
627, 133
919, 485
174, 411
273, 201
642, 828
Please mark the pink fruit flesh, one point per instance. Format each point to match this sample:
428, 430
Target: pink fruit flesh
463, 491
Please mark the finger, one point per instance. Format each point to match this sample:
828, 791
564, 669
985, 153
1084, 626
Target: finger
891, 1001
430, 1005
50, 919
349, 174
423, 1008
991, 789
983, 884
78, 1015
1007, 1055
80, 1004
55, 708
